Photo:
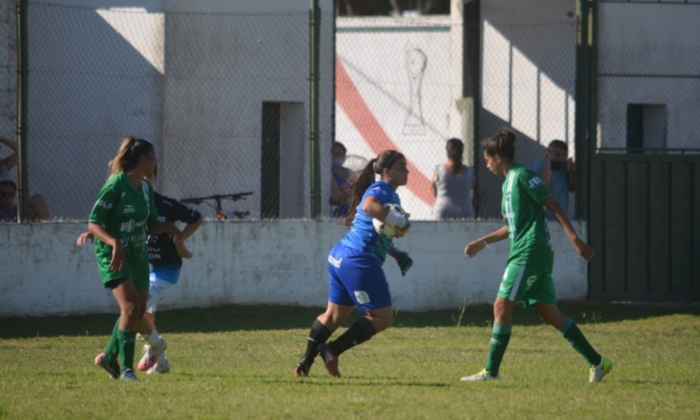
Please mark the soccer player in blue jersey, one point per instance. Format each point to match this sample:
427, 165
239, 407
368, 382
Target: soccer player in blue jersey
355, 265
528, 274
165, 256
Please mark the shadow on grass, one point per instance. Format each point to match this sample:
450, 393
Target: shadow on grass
278, 317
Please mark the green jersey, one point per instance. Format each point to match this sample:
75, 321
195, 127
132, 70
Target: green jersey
523, 194
124, 211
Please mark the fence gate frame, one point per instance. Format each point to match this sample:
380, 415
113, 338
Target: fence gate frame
644, 218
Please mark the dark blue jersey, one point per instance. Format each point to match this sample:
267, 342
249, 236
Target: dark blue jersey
161, 249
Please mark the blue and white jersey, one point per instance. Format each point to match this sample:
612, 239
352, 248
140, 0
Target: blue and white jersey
362, 236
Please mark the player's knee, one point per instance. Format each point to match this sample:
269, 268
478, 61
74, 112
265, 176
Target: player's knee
130, 312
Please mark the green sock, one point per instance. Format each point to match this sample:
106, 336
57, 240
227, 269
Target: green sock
577, 340
127, 344
112, 349
499, 342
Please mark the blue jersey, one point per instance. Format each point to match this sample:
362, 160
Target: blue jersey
362, 236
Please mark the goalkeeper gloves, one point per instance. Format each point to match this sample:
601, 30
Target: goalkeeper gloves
404, 261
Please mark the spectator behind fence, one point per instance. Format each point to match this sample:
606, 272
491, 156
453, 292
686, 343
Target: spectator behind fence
38, 209
557, 173
8, 209
341, 183
453, 185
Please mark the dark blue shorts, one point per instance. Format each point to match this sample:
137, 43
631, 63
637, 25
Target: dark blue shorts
356, 278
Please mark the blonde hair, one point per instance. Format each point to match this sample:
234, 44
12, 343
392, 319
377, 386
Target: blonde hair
129, 154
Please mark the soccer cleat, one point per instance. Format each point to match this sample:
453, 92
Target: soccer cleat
330, 359
111, 368
147, 357
151, 355
302, 368
484, 375
128, 375
599, 371
161, 366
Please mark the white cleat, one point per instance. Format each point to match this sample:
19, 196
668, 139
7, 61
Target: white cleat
161, 366
484, 375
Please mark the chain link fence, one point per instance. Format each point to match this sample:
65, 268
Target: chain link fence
648, 89
224, 97
399, 85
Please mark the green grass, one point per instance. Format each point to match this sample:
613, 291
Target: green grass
236, 362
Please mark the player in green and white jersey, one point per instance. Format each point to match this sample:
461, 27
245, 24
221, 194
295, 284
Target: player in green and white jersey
528, 274
124, 210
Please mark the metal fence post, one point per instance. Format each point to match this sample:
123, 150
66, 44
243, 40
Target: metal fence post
22, 96
315, 153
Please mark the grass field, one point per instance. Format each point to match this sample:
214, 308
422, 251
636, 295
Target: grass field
236, 362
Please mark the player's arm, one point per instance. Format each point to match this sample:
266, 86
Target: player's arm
433, 184
474, 247
191, 228
579, 244
83, 238
117, 263
157, 228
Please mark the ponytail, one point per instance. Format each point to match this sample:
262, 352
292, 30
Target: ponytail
364, 180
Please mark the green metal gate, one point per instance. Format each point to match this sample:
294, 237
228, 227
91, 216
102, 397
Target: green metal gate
644, 224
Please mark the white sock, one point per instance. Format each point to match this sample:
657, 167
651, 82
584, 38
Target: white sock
154, 339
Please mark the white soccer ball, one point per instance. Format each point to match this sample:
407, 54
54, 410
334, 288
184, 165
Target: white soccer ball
385, 229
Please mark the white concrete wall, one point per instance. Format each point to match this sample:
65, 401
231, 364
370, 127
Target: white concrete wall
527, 82
657, 40
401, 69
219, 71
189, 76
43, 272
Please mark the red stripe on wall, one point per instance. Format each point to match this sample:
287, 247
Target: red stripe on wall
355, 107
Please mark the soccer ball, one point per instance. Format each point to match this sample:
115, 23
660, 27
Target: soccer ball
384, 229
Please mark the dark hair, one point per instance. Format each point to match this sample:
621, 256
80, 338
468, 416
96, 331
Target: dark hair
455, 153
384, 160
502, 144
8, 183
558, 144
129, 154
339, 144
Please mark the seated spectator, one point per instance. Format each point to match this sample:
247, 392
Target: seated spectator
557, 173
341, 183
453, 185
8, 209
38, 209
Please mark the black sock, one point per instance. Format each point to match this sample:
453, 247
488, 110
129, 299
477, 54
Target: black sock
319, 334
358, 333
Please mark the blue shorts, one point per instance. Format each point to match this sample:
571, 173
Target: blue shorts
356, 278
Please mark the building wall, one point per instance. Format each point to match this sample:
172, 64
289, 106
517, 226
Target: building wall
189, 76
649, 54
527, 83
45, 273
